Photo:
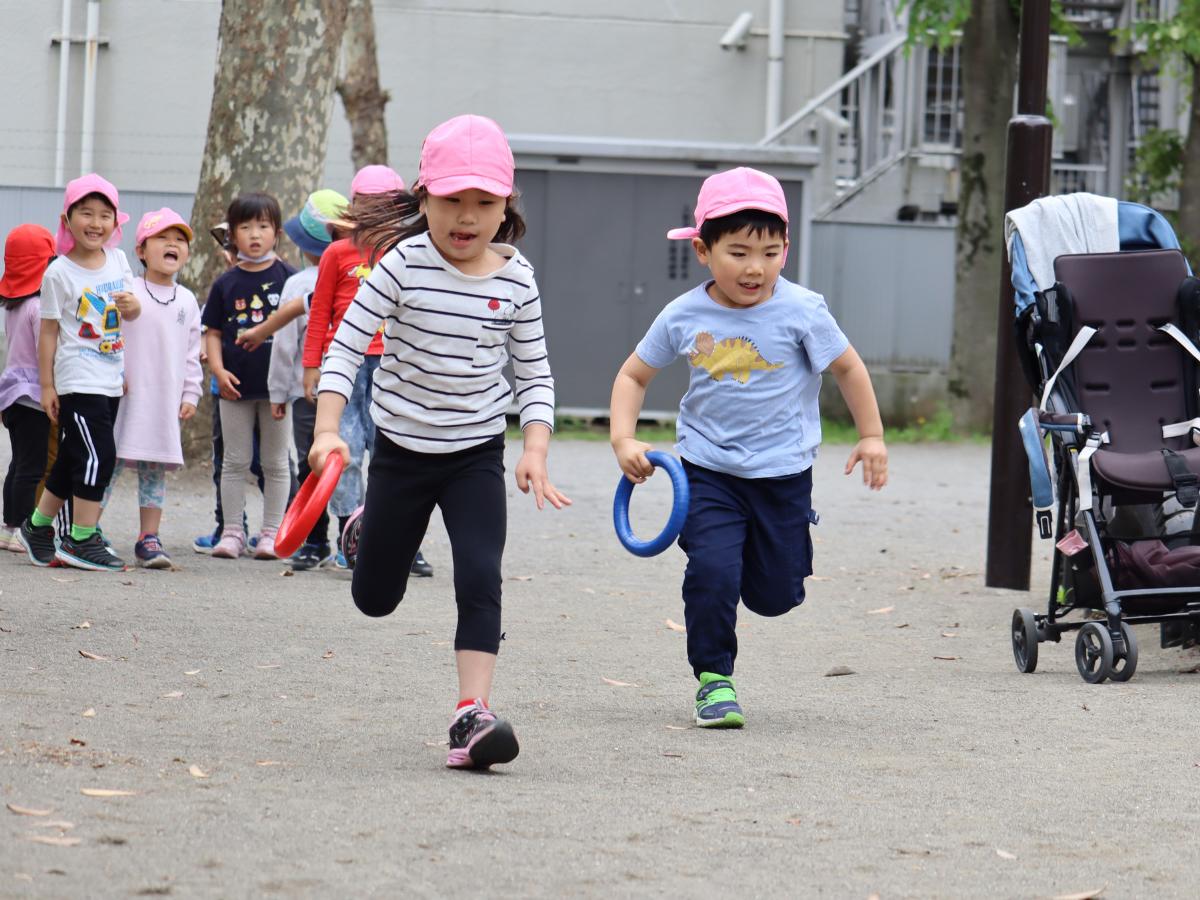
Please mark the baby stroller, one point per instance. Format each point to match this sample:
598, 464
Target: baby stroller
1109, 346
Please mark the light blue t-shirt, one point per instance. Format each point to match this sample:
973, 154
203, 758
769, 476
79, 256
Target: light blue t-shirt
751, 405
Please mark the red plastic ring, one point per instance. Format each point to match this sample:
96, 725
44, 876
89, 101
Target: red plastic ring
312, 497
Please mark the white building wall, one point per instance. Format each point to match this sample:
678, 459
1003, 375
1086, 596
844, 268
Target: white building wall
637, 69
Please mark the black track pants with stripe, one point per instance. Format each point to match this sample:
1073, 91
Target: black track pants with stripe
87, 450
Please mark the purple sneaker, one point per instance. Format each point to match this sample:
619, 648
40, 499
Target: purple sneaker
479, 740
149, 553
350, 538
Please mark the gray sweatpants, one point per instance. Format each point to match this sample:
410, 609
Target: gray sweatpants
237, 426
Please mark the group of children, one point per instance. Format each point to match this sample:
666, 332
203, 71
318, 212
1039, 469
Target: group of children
429, 300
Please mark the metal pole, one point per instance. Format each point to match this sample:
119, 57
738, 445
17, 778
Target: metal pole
1027, 177
64, 77
775, 49
87, 142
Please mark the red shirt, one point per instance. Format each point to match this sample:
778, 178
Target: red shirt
342, 269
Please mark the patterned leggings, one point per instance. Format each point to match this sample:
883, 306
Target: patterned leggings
152, 483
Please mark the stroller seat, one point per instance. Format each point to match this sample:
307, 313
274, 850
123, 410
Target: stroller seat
1141, 471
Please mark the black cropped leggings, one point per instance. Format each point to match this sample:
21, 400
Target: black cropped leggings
402, 489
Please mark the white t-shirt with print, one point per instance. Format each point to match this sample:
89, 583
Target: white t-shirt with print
90, 358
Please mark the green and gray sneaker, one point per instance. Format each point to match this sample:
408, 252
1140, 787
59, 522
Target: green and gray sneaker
716, 703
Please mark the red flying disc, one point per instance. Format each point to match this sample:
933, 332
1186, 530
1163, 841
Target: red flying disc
312, 497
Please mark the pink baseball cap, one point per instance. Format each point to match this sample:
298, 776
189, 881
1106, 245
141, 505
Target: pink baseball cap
467, 152
158, 221
76, 191
729, 192
376, 180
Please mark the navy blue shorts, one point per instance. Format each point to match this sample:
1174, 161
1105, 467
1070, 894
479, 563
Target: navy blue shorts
747, 539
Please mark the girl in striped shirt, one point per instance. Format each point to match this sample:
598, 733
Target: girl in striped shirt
456, 301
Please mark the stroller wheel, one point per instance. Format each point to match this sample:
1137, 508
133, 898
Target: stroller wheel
1094, 652
1024, 640
1126, 664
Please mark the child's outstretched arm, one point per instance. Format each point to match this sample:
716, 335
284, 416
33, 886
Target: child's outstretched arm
253, 338
628, 395
855, 384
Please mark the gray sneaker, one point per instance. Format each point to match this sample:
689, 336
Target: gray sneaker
38, 542
91, 553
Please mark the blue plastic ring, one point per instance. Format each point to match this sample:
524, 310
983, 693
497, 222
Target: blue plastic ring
679, 509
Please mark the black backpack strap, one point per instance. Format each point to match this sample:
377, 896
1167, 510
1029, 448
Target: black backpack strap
1187, 485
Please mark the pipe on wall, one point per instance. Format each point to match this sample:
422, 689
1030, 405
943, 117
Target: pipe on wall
87, 140
776, 35
64, 76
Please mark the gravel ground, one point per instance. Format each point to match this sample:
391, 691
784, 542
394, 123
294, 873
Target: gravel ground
276, 742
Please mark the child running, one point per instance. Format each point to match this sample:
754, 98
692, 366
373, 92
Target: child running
28, 249
748, 426
456, 307
309, 231
86, 296
162, 374
240, 298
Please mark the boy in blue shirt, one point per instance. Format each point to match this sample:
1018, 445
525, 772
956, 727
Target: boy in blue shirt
749, 424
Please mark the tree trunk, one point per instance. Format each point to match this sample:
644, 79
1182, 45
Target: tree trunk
267, 130
1189, 176
359, 88
988, 53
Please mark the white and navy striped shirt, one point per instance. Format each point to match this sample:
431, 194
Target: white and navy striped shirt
447, 335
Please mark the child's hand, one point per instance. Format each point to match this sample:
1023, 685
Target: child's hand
631, 457
312, 377
531, 472
873, 454
50, 403
226, 384
278, 411
252, 338
186, 411
127, 304
324, 443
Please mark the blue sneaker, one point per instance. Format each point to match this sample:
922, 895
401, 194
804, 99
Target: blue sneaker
206, 542
340, 561
716, 703
150, 554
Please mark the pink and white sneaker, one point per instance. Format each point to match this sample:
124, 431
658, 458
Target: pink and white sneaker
231, 544
479, 740
266, 544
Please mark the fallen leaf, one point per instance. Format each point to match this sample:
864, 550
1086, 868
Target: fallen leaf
268, 666
87, 655
839, 670
328, 654
794, 821
880, 611
1082, 895
192, 672
902, 625
520, 578
63, 580
1004, 854
617, 683
949, 634
675, 728
56, 823
819, 578
174, 695
53, 840
84, 624
197, 772
947, 658
105, 792
287, 573
78, 743
89, 713
675, 626
268, 762
26, 811
673, 755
